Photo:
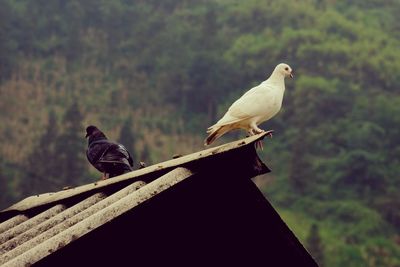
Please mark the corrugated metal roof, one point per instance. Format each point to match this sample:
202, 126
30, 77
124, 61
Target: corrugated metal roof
40, 225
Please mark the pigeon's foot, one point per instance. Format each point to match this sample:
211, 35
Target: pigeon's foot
250, 133
257, 130
142, 165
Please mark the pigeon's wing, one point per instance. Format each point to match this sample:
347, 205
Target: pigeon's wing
89, 157
253, 103
125, 153
130, 160
94, 152
117, 153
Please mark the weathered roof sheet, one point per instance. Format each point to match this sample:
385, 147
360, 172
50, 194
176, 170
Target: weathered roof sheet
40, 225
150, 172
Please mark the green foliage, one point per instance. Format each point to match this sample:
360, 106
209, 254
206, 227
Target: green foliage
8, 45
315, 245
145, 155
70, 162
337, 245
349, 255
5, 196
359, 221
173, 67
41, 172
127, 138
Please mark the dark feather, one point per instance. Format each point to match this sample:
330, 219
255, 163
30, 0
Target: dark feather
105, 155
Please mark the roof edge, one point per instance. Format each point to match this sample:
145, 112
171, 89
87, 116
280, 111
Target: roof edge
46, 198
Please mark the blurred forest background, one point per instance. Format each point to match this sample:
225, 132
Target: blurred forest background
155, 74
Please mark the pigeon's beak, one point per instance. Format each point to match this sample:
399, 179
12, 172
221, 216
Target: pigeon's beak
87, 134
291, 75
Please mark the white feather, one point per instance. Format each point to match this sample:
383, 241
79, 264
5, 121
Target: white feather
257, 105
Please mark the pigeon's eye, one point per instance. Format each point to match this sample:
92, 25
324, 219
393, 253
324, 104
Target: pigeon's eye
286, 68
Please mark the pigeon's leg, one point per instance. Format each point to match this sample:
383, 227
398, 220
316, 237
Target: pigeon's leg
255, 130
104, 176
258, 143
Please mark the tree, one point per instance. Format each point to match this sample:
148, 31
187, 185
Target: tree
315, 246
145, 155
41, 172
127, 138
7, 44
337, 136
4, 196
70, 149
300, 169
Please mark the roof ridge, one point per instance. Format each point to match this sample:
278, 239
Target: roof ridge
46, 198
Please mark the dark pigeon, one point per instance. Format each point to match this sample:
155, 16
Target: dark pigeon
108, 157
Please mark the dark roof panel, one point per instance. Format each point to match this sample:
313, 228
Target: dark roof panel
203, 196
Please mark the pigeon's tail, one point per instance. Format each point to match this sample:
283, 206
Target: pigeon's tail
215, 133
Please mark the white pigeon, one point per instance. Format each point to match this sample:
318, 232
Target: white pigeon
257, 105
